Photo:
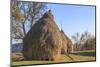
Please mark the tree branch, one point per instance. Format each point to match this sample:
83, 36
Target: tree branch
17, 38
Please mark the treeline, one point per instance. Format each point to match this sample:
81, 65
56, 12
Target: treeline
84, 41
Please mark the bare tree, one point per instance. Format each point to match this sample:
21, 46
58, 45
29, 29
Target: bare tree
76, 38
81, 39
23, 16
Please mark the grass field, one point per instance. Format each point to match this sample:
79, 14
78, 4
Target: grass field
77, 56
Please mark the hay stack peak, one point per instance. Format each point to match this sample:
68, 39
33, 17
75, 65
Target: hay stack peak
48, 14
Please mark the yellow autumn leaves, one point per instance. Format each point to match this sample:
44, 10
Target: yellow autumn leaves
17, 14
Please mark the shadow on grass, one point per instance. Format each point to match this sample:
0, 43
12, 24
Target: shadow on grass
93, 54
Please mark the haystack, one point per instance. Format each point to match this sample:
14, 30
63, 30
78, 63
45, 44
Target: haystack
67, 46
44, 40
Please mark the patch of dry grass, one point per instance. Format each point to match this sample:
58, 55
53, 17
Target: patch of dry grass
63, 58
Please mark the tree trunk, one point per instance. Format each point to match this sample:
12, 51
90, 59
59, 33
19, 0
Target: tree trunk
24, 29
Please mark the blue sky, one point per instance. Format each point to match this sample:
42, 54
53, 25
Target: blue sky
74, 18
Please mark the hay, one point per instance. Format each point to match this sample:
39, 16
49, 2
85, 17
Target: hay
43, 41
67, 44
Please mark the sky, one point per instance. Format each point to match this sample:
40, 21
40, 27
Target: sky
74, 18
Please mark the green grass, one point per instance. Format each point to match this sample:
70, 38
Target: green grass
76, 57
86, 53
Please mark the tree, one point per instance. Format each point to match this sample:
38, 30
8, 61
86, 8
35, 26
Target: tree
76, 38
23, 16
82, 39
90, 44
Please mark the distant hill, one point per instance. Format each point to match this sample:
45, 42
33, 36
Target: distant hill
16, 47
